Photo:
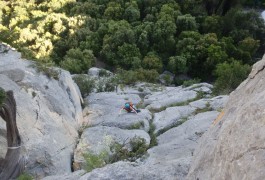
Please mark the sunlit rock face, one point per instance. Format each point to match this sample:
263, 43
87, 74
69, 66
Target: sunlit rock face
48, 113
233, 148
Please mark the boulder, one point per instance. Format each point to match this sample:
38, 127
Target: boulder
201, 87
171, 116
233, 148
93, 71
70, 176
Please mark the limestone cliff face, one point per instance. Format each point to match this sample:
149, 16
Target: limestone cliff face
48, 114
234, 147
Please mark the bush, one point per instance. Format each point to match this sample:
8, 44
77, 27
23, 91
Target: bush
191, 82
152, 61
229, 76
85, 84
25, 176
119, 152
77, 61
95, 160
131, 77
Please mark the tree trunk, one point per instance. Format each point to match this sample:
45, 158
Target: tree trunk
13, 164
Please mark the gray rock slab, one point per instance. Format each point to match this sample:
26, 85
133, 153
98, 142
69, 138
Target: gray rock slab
16, 75
175, 147
104, 110
199, 104
119, 170
168, 97
169, 160
70, 176
218, 102
171, 116
100, 138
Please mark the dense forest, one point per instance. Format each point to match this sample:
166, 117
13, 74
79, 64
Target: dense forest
211, 40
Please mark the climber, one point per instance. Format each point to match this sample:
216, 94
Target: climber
129, 107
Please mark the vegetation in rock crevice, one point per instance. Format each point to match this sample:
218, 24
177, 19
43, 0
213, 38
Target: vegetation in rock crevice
118, 152
176, 124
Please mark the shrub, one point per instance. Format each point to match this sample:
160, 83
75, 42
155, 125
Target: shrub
25, 176
85, 84
191, 82
119, 152
95, 160
103, 73
77, 61
229, 76
131, 77
152, 61
47, 69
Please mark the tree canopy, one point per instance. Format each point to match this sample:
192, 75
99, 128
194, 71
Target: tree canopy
192, 37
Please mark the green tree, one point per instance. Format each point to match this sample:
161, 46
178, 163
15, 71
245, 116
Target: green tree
186, 23
113, 11
132, 12
77, 61
177, 64
229, 76
152, 61
129, 56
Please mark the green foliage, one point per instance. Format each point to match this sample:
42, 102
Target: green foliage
119, 152
186, 37
151, 132
186, 23
152, 61
229, 76
191, 82
177, 64
85, 84
2, 96
103, 73
95, 160
47, 69
131, 77
25, 176
77, 61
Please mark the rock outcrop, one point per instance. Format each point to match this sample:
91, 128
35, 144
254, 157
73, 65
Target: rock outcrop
234, 147
180, 121
48, 113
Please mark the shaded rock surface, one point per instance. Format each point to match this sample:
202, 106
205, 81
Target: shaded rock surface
233, 148
48, 114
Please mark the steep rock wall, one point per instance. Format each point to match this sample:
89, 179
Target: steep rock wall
48, 113
234, 147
